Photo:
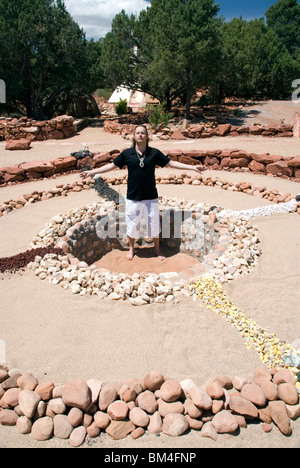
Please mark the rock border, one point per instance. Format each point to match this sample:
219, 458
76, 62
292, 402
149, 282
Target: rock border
80, 411
19, 133
202, 130
226, 159
237, 248
273, 196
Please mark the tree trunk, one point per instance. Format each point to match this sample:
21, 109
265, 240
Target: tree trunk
188, 101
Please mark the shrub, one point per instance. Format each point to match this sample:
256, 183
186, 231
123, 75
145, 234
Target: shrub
121, 107
158, 115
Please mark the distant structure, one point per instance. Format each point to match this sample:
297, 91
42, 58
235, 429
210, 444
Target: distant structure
135, 99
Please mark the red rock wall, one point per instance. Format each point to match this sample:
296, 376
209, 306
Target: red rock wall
32, 130
264, 163
205, 131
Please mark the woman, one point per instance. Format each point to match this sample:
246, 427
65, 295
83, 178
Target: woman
142, 196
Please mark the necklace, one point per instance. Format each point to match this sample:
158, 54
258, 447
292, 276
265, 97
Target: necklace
141, 158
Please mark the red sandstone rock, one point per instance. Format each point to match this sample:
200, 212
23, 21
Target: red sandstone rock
153, 381
261, 374
75, 416
295, 162
102, 419
27, 381
15, 145
266, 158
175, 424
244, 407
77, 437
170, 390
283, 376
64, 163
117, 410
279, 168
178, 135
255, 166
224, 422
288, 393
108, 394
214, 390
77, 393
223, 129
280, 417
253, 393
165, 408
45, 389
8, 417
120, 429
225, 381
139, 417
147, 401
36, 166
42, 428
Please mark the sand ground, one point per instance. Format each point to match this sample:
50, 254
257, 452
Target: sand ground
59, 336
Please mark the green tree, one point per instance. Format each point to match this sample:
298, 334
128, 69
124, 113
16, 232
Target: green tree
118, 51
43, 52
284, 18
255, 62
171, 49
185, 43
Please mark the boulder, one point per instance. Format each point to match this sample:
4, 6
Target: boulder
18, 145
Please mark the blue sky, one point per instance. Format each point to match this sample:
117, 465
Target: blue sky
247, 9
95, 16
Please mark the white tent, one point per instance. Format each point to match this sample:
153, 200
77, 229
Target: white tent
135, 99
120, 93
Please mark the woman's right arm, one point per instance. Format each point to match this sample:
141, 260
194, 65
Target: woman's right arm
100, 170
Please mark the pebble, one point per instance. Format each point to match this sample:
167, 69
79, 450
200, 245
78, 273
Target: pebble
77, 437
224, 422
42, 429
175, 424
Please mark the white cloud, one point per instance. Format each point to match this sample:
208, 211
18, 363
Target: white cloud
95, 16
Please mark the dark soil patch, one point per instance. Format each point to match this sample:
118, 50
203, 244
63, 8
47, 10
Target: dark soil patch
21, 260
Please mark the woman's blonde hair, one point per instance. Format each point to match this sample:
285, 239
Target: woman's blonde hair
133, 139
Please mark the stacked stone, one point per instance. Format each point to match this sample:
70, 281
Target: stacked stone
202, 130
227, 159
81, 410
234, 250
20, 132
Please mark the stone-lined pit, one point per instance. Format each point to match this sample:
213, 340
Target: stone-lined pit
231, 248
183, 231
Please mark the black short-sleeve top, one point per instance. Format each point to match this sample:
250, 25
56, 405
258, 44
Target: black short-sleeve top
141, 180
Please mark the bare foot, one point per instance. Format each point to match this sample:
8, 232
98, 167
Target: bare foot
130, 255
160, 255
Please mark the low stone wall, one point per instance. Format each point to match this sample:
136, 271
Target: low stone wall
228, 159
26, 130
79, 410
62, 190
204, 130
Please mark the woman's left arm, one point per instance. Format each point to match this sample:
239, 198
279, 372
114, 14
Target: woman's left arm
186, 167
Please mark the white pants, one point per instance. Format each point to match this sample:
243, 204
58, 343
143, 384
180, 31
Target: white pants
147, 210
